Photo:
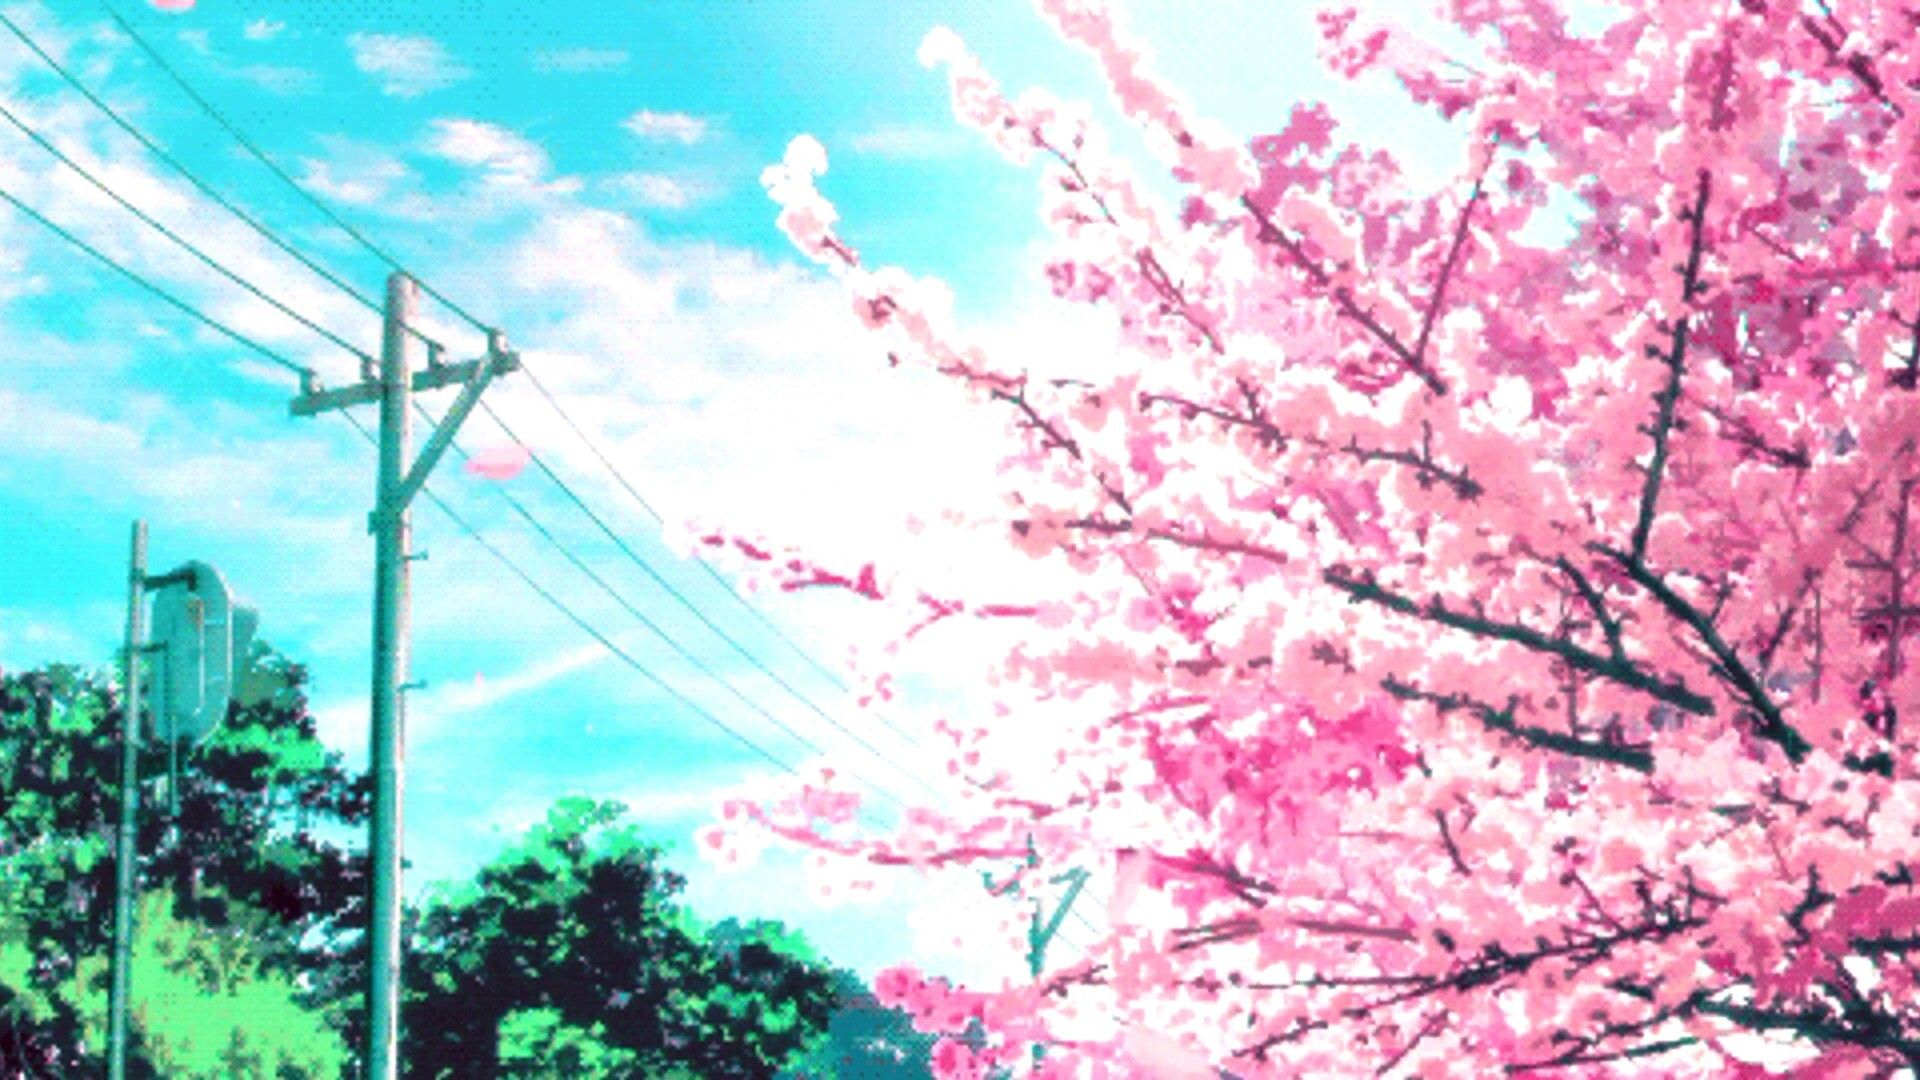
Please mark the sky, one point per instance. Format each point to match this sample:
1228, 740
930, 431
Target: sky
586, 178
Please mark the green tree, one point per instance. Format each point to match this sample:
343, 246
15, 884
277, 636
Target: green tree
864, 1039
205, 1002
569, 955
244, 865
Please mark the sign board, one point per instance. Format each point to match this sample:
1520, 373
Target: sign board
202, 637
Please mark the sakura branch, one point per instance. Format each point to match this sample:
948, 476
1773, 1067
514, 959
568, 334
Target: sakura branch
1472, 655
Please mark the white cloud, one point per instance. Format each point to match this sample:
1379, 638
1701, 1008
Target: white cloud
276, 78
30, 639
579, 61
407, 66
431, 712
355, 173
677, 127
263, 30
912, 141
479, 144
510, 163
657, 191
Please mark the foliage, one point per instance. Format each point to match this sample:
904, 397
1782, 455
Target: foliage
570, 947
247, 895
567, 955
864, 1039
1463, 654
204, 1002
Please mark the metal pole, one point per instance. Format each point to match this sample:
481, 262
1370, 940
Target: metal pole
173, 775
386, 743
123, 866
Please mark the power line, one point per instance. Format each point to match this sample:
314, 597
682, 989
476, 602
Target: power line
174, 163
457, 519
580, 564
384, 256
450, 304
176, 238
561, 606
265, 159
677, 595
621, 479
157, 290
380, 253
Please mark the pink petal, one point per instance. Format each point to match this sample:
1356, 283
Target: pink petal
499, 462
173, 5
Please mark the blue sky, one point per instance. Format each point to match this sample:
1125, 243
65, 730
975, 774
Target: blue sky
586, 177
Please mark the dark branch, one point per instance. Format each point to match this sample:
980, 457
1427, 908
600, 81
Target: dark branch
1349, 307
1453, 849
1426, 469
1771, 724
1857, 63
1598, 605
1675, 358
1742, 433
1672, 691
1055, 439
1446, 269
1502, 721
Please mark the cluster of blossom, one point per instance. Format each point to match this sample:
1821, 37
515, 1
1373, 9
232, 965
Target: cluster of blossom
1479, 655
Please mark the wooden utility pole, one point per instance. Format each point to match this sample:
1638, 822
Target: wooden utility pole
390, 523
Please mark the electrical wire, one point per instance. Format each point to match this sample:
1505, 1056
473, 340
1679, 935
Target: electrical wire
187, 174
561, 606
188, 246
267, 160
620, 478
383, 255
390, 260
640, 561
133, 276
680, 650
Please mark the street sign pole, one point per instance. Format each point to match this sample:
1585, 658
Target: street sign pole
123, 876
125, 857
390, 523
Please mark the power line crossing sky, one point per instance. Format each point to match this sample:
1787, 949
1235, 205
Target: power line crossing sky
586, 180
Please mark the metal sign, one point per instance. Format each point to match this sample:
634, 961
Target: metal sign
203, 638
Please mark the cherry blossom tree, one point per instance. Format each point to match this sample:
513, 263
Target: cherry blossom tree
1470, 655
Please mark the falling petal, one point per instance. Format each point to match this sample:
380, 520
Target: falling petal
173, 5
499, 462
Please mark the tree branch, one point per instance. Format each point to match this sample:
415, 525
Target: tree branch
1672, 691
1349, 307
1598, 605
1772, 725
1675, 358
1446, 269
1502, 721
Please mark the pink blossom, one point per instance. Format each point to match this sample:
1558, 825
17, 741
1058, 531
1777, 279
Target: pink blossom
499, 462
1454, 653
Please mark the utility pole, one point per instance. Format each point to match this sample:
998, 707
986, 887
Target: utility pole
125, 856
390, 523
1041, 929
